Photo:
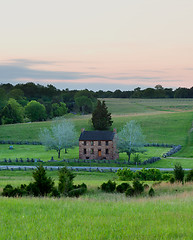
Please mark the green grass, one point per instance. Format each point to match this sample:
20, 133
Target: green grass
162, 121
98, 215
39, 152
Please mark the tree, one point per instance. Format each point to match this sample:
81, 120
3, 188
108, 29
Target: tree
62, 135
101, 118
42, 184
13, 112
65, 181
59, 109
35, 111
178, 173
131, 139
84, 104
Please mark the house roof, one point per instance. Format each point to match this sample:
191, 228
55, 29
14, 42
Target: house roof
97, 136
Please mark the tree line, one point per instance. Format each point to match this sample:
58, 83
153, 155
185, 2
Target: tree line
17, 102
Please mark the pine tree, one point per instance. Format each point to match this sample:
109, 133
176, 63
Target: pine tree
101, 118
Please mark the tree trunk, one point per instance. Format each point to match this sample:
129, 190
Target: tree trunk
66, 150
129, 157
59, 153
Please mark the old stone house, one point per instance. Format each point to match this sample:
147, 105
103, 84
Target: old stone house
98, 145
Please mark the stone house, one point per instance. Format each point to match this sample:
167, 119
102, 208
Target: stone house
98, 145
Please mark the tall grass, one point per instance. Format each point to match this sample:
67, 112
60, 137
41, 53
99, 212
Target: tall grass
160, 218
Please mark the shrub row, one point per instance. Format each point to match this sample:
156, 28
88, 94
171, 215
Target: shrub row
151, 174
44, 186
137, 188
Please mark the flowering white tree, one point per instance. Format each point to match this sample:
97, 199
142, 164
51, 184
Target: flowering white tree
61, 135
131, 139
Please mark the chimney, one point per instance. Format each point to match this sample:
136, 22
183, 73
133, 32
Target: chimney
82, 129
115, 130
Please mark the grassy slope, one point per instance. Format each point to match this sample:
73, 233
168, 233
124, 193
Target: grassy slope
162, 121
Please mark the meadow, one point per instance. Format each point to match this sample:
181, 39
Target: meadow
97, 215
162, 121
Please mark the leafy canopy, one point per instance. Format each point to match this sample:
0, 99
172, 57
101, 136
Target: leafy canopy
62, 135
131, 139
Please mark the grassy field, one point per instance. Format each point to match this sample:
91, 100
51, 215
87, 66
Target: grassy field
162, 121
160, 218
97, 215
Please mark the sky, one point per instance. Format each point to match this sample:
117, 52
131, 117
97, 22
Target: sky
97, 44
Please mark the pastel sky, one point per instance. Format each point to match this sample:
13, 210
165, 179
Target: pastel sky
97, 44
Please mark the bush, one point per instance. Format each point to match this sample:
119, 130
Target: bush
151, 192
179, 173
78, 190
9, 191
167, 176
137, 187
65, 181
108, 187
125, 174
172, 180
149, 174
189, 176
122, 187
129, 192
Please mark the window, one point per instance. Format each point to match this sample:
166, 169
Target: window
84, 143
99, 143
92, 151
107, 151
107, 143
84, 150
92, 143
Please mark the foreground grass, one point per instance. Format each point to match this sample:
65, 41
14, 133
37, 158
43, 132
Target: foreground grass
97, 215
159, 218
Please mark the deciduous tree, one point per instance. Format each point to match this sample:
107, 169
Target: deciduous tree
62, 135
131, 139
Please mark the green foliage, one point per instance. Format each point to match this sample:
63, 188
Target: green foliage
35, 111
151, 192
62, 135
149, 174
84, 104
101, 118
125, 174
137, 187
189, 177
122, 187
131, 139
77, 190
108, 187
178, 173
172, 179
59, 109
129, 192
136, 159
42, 184
13, 112
167, 176
65, 184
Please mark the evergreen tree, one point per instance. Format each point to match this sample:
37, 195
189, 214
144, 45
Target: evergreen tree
42, 184
101, 118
